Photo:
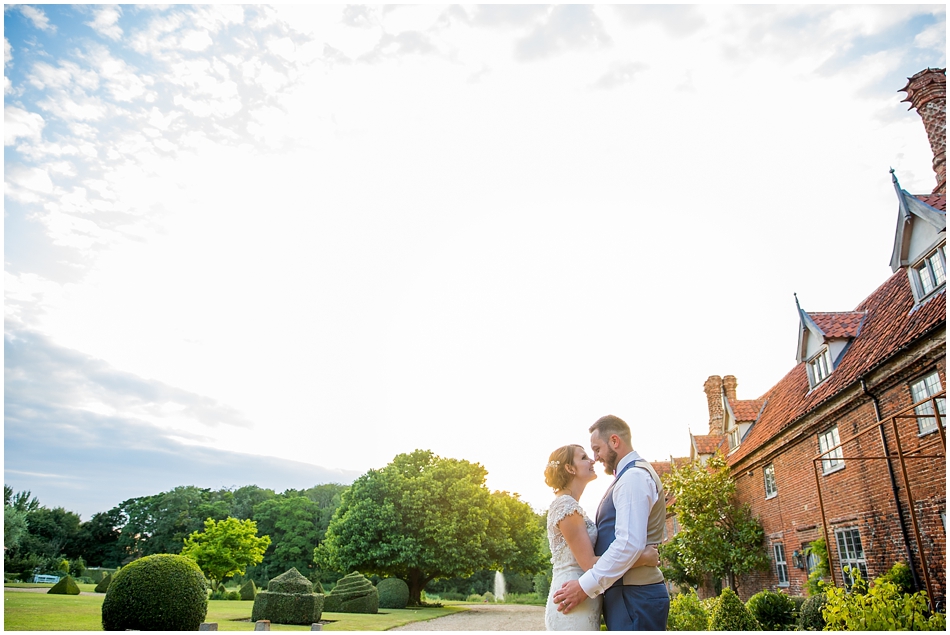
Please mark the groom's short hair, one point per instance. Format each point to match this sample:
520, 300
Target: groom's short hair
608, 425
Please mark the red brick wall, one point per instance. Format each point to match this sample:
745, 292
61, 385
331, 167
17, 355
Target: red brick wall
860, 495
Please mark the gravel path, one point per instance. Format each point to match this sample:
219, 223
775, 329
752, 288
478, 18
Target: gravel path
485, 617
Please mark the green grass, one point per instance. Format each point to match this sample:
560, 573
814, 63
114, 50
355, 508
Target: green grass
43, 612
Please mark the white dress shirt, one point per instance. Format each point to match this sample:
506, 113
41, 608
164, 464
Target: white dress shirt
634, 495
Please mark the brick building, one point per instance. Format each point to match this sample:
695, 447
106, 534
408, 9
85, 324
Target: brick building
846, 445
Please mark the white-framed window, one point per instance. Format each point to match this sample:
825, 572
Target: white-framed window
851, 554
771, 489
931, 271
922, 389
819, 367
676, 526
781, 566
833, 460
734, 438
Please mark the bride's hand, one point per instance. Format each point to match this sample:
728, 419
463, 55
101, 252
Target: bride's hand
649, 558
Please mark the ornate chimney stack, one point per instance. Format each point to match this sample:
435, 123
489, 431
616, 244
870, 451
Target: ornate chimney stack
927, 92
713, 388
729, 384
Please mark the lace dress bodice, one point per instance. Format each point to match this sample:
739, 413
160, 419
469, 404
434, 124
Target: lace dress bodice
586, 616
561, 507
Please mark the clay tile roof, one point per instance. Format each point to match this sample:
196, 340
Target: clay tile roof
892, 322
707, 444
936, 201
662, 468
846, 324
747, 409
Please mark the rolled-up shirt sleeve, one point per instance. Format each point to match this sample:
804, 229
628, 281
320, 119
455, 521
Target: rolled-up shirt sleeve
634, 496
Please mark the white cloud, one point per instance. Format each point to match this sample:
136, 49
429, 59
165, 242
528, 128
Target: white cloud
37, 17
20, 124
27, 184
67, 75
105, 22
933, 37
122, 80
7, 52
82, 109
196, 41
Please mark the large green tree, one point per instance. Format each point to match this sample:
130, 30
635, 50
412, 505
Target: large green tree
718, 536
225, 548
292, 522
423, 517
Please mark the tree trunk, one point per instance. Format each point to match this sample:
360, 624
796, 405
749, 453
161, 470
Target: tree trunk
416, 583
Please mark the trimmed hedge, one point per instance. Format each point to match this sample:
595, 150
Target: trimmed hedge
163, 592
248, 591
731, 614
353, 593
289, 599
66, 586
104, 583
775, 611
393, 593
290, 582
811, 617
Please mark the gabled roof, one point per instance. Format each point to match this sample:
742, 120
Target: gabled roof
707, 443
837, 325
890, 324
746, 409
909, 208
662, 468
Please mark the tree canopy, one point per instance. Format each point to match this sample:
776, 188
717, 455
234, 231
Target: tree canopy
225, 548
717, 536
423, 517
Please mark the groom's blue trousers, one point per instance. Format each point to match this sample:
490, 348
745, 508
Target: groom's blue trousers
636, 608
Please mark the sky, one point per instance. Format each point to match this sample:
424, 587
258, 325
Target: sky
280, 245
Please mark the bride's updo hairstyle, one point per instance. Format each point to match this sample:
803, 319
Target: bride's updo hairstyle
556, 474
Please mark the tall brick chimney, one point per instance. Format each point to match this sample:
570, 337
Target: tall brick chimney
927, 92
713, 388
729, 386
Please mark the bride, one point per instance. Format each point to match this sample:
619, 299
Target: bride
572, 535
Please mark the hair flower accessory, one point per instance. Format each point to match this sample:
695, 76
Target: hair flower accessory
554, 463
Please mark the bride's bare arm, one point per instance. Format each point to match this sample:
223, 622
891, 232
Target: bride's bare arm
575, 533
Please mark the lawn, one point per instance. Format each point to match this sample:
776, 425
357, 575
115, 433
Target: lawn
43, 612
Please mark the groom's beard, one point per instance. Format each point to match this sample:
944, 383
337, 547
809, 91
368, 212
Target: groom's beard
610, 462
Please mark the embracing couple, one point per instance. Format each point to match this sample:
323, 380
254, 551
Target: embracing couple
615, 558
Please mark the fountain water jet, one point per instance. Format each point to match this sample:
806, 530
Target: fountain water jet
499, 586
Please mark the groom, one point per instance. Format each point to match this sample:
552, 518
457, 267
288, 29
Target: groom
631, 516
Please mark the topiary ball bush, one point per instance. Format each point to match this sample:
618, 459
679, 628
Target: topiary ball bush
687, 613
66, 586
773, 610
163, 592
393, 593
731, 614
811, 617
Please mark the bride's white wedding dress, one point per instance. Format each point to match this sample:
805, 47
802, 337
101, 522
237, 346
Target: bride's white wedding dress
586, 616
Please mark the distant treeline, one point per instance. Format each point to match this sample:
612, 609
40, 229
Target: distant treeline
42, 540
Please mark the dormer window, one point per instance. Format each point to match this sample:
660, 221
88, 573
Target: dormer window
819, 367
931, 271
734, 438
